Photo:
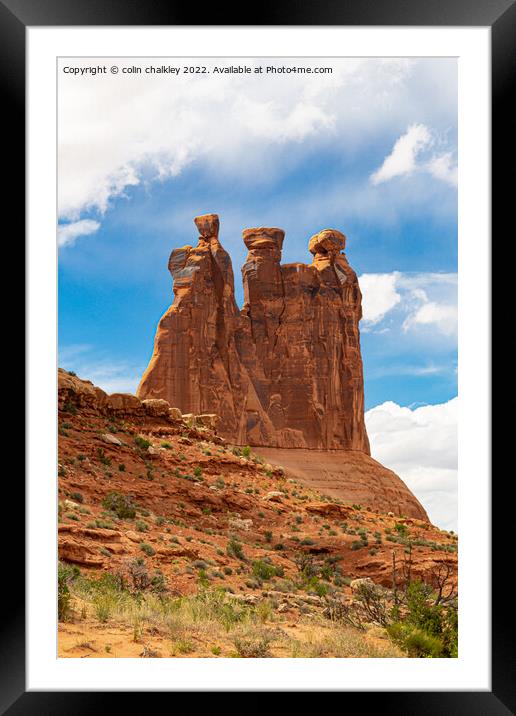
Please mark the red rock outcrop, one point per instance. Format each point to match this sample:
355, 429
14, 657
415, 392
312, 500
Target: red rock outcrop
285, 371
348, 475
196, 365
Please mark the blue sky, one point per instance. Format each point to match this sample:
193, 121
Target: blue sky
370, 150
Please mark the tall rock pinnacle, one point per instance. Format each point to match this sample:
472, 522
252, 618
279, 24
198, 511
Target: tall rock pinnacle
286, 370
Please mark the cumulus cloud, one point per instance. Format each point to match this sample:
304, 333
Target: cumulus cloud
420, 445
413, 302
68, 233
444, 167
117, 132
441, 315
379, 295
402, 159
410, 153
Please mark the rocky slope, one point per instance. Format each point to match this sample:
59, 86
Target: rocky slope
286, 370
138, 479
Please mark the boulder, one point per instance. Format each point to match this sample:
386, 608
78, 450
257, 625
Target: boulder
125, 403
111, 439
207, 420
157, 407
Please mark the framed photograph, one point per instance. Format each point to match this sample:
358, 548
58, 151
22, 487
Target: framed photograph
258, 292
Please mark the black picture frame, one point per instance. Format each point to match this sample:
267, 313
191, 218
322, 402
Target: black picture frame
500, 16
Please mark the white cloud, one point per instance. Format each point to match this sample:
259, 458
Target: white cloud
420, 445
441, 315
379, 295
413, 302
410, 154
119, 131
402, 159
110, 375
68, 233
444, 167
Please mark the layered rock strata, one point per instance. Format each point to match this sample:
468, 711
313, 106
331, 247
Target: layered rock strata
286, 370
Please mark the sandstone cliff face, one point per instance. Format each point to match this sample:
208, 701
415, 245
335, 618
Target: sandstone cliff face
195, 365
286, 371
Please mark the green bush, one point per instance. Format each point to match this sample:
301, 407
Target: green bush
65, 574
147, 548
416, 642
121, 505
235, 549
142, 443
263, 570
104, 459
358, 544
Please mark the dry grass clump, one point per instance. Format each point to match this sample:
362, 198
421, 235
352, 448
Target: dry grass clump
214, 622
342, 642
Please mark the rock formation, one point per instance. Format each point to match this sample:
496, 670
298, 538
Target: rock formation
286, 370
196, 365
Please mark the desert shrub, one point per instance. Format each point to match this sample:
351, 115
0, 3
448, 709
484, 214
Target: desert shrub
246, 451
65, 574
421, 613
306, 564
77, 497
138, 574
182, 646
141, 442
401, 529
436, 620
253, 645
69, 407
121, 505
416, 642
104, 459
357, 544
147, 548
263, 570
104, 603
199, 564
235, 549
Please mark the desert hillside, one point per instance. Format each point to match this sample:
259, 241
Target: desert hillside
174, 542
